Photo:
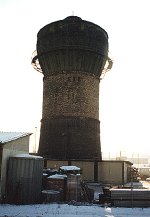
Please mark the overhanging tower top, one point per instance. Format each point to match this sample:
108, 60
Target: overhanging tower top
80, 45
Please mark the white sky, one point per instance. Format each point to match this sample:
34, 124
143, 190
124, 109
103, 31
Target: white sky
125, 90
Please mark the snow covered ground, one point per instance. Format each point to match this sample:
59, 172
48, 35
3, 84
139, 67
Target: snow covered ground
65, 210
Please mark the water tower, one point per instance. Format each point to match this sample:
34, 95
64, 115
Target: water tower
71, 54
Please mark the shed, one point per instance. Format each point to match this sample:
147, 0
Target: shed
11, 143
24, 179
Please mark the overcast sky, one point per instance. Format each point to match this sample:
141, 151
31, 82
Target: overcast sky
125, 90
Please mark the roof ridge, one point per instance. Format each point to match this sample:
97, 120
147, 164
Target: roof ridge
10, 136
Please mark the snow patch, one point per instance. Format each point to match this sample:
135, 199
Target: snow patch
27, 156
65, 210
57, 176
69, 168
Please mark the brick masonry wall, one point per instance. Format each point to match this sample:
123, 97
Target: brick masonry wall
74, 94
70, 126
70, 138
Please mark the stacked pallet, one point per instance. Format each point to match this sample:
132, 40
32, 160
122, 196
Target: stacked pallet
130, 197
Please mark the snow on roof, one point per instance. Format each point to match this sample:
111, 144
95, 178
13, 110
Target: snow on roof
129, 190
134, 184
57, 176
69, 168
50, 192
26, 156
9, 136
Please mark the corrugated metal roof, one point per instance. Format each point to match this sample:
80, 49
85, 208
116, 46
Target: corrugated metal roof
9, 136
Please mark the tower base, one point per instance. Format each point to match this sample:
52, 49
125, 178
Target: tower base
70, 138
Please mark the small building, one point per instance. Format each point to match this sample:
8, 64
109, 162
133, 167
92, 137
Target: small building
11, 143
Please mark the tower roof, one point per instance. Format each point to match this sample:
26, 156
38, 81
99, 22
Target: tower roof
71, 44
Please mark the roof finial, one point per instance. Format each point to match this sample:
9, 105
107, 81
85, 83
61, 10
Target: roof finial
72, 13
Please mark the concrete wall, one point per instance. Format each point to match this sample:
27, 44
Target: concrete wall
11, 148
109, 172
53, 164
21, 144
87, 169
